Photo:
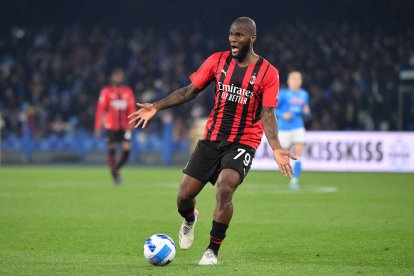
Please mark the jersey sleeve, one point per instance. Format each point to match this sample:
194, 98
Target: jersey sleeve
102, 104
271, 88
206, 72
307, 104
306, 98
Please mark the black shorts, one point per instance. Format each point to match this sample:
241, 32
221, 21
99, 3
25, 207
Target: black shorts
211, 157
117, 136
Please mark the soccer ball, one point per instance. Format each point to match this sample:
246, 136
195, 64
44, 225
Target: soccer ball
159, 249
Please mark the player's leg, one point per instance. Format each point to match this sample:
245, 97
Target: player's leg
298, 140
227, 184
235, 165
190, 187
111, 155
112, 162
126, 150
297, 165
124, 138
111, 145
202, 165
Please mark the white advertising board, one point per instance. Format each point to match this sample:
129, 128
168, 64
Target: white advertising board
349, 151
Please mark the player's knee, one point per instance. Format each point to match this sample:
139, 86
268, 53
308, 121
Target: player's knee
183, 196
225, 190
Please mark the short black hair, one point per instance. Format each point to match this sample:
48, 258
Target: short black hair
117, 70
250, 24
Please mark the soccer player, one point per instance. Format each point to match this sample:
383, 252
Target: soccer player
246, 93
117, 101
293, 106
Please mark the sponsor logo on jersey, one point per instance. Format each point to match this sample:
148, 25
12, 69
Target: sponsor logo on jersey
296, 101
233, 93
119, 104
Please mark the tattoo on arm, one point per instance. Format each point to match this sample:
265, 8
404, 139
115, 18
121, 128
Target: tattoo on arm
177, 97
270, 127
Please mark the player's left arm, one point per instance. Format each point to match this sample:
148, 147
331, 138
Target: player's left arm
281, 155
148, 110
182, 95
269, 102
306, 108
100, 110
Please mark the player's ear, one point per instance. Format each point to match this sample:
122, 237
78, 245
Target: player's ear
253, 38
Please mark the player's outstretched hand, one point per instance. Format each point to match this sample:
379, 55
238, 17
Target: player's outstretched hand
143, 115
282, 158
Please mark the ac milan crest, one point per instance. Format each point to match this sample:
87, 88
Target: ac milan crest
252, 79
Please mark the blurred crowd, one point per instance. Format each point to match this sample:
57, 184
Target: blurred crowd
50, 78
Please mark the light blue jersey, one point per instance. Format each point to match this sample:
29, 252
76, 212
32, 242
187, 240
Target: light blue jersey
292, 102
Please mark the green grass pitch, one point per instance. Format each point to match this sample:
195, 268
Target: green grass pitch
71, 220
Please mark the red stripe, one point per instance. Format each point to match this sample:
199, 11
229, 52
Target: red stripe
222, 102
117, 118
220, 66
259, 79
211, 116
123, 118
239, 110
215, 240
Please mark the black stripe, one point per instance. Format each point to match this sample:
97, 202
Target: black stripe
243, 121
230, 107
258, 106
217, 105
267, 68
119, 111
218, 62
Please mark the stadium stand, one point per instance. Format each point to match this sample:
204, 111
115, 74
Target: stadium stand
50, 77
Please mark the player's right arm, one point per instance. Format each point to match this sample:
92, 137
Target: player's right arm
270, 125
306, 108
199, 80
148, 110
102, 104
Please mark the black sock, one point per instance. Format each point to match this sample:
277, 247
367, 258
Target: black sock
124, 159
111, 158
187, 214
217, 235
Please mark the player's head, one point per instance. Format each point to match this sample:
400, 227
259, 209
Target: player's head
241, 37
294, 80
117, 76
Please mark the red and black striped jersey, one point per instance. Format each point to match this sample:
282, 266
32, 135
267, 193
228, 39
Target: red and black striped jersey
117, 103
240, 94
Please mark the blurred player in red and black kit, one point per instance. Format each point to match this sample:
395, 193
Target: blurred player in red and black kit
117, 101
246, 93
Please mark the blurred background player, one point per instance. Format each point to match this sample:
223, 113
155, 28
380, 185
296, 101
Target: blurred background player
293, 107
116, 101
